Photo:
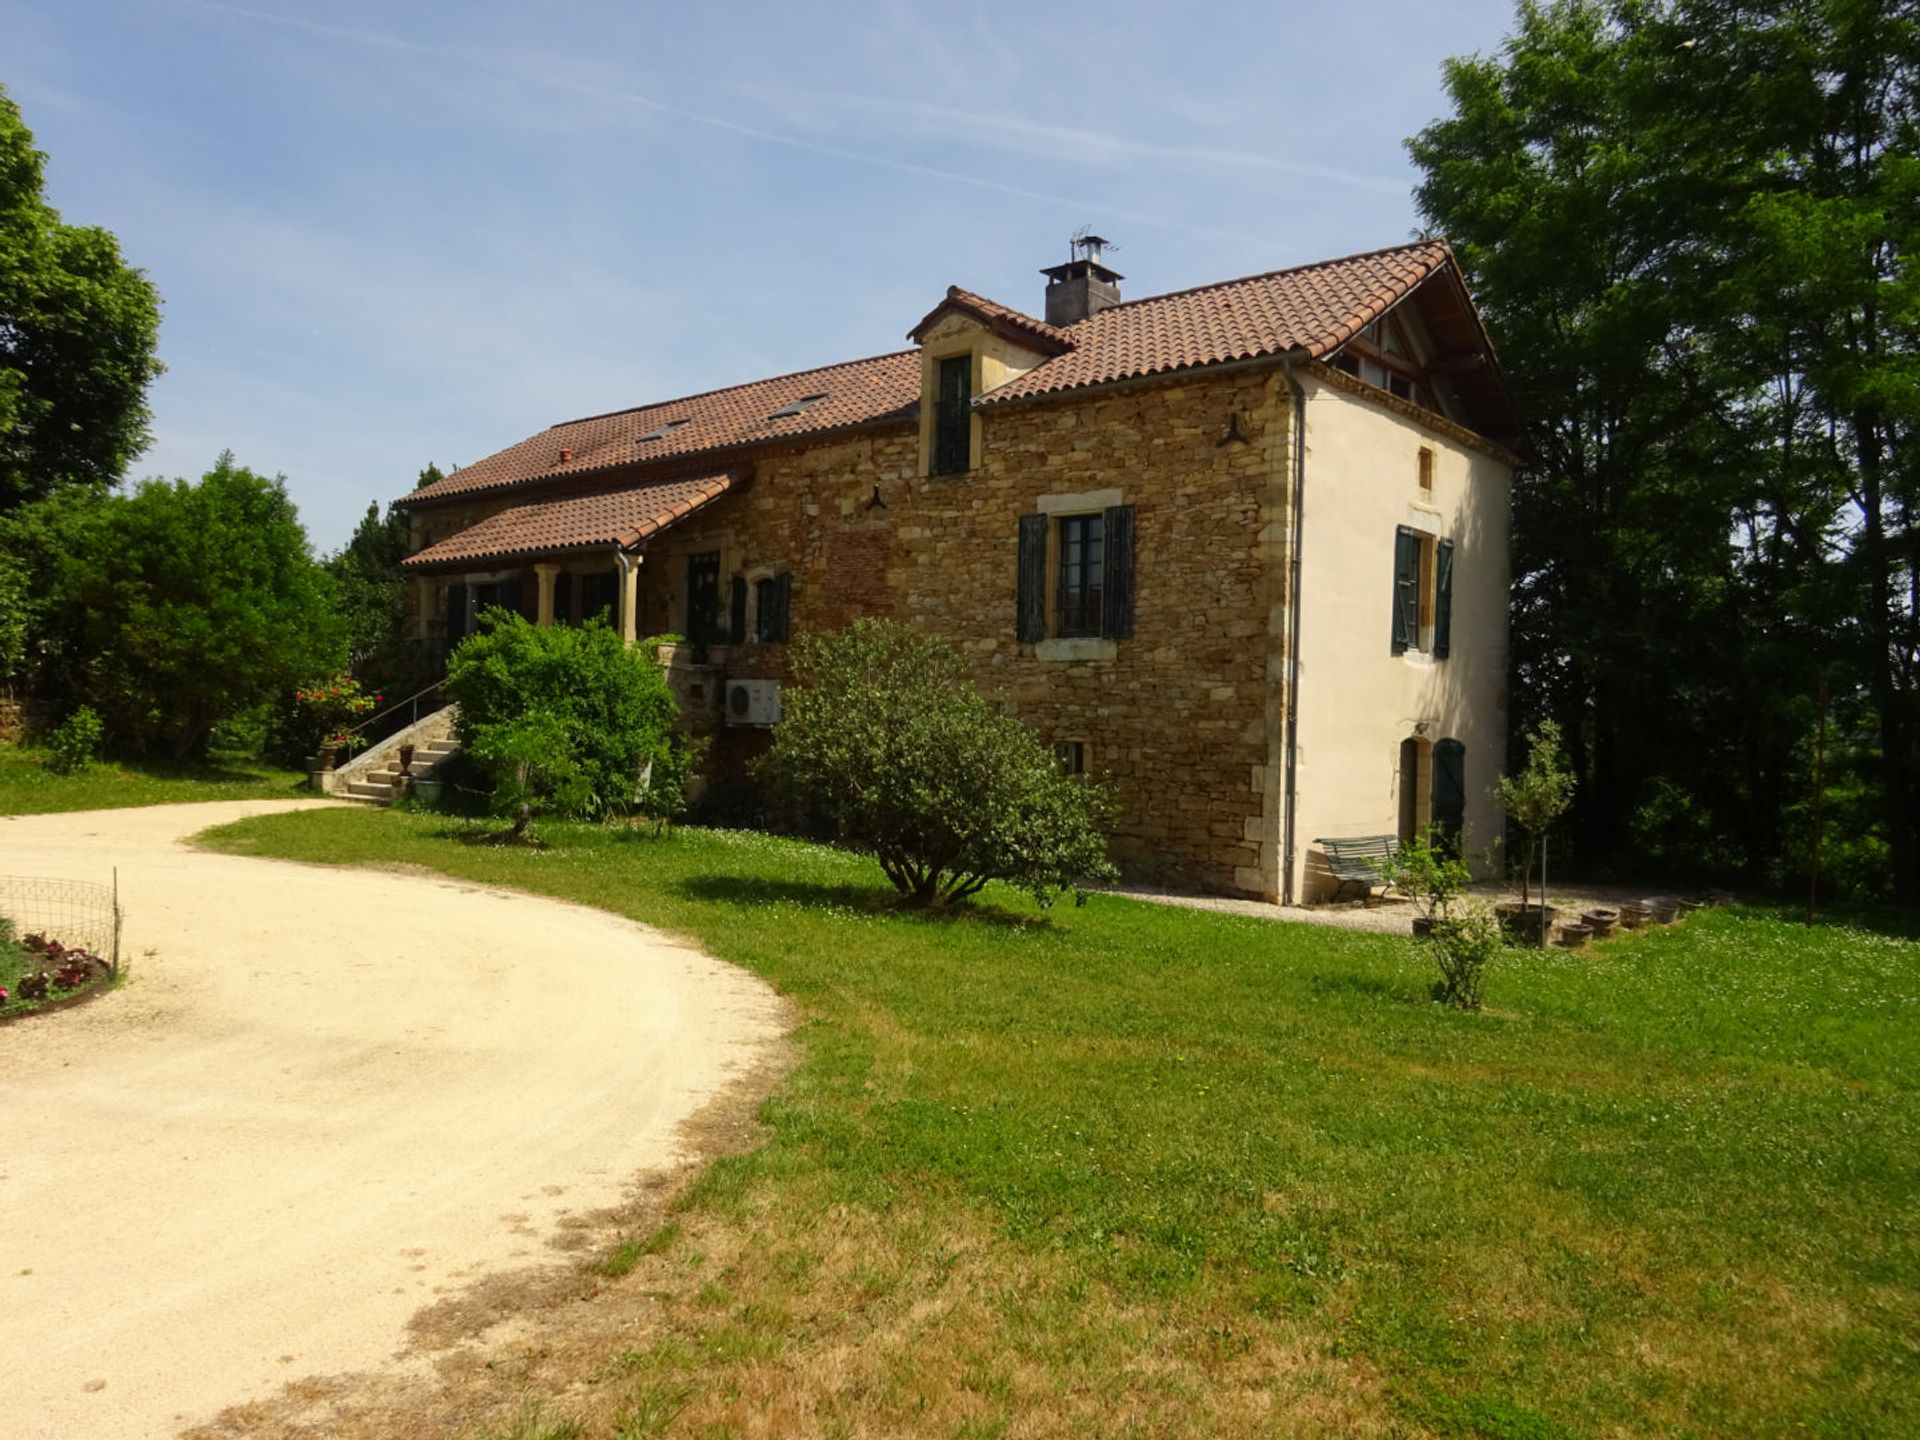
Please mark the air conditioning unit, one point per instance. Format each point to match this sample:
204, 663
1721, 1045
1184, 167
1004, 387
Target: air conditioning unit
753, 702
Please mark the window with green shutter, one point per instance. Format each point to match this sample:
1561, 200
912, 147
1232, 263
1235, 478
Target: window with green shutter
1406, 589
1443, 600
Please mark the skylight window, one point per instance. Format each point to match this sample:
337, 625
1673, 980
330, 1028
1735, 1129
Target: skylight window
664, 431
803, 403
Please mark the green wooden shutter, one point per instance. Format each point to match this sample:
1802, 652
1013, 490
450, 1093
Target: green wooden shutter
1406, 588
737, 628
1030, 620
1116, 620
1450, 792
782, 608
1442, 599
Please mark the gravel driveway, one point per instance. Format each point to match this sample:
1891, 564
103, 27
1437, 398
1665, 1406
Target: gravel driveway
325, 1100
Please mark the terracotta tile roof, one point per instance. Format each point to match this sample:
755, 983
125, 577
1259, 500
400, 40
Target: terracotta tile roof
1316, 308
1023, 328
578, 522
856, 393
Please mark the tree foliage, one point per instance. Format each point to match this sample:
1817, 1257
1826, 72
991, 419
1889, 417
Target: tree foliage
78, 330
1691, 225
884, 733
566, 719
178, 605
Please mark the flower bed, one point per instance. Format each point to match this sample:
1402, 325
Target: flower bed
38, 971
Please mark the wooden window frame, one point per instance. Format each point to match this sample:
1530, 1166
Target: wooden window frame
1080, 602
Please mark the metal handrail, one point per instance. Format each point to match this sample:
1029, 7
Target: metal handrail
413, 700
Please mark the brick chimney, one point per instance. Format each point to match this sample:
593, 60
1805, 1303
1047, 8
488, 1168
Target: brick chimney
1083, 286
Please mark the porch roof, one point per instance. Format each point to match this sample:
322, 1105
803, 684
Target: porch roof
563, 524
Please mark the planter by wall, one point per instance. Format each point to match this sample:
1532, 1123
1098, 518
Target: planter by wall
1575, 935
1600, 922
1526, 923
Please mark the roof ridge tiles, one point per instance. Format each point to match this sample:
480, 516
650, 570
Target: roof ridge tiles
1410, 245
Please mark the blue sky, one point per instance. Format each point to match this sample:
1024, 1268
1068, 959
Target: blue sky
387, 233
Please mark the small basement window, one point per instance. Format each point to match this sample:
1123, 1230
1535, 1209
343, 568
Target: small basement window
803, 403
1071, 756
663, 431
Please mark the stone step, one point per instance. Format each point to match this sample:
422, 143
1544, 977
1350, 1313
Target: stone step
367, 790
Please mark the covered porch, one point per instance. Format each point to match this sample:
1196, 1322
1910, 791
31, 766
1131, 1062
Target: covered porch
558, 560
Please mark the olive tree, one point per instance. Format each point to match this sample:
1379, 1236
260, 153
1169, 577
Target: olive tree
884, 733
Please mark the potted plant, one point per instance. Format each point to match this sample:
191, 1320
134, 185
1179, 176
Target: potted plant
1533, 800
1427, 872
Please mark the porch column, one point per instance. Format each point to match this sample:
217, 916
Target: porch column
545, 574
629, 595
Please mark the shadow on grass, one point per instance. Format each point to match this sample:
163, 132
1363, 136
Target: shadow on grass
751, 890
1881, 918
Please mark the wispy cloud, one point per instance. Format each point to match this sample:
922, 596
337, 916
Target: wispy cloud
517, 69
1056, 142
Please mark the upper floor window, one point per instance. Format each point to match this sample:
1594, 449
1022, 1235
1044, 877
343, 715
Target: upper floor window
1422, 593
1080, 610
1075, 577
953, 416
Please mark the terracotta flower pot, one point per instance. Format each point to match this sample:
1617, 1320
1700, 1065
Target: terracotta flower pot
1600, 922
1574, 936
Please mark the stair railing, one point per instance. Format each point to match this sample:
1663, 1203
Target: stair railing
411, 705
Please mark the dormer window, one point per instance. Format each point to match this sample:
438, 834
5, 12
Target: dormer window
953, 416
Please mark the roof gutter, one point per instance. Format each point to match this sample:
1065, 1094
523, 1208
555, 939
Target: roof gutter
1291, 785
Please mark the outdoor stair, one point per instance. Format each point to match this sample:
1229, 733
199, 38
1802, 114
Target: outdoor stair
377, 785
371, 776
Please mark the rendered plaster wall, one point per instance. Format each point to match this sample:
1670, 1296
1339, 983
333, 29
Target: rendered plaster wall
1359, 701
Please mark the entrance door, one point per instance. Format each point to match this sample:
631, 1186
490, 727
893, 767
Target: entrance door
1409, 791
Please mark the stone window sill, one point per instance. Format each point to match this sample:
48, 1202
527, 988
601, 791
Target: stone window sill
1078, 647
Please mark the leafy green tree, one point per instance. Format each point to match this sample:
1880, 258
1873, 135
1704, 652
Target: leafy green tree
366, 573
78, 330
1691, 227
182, 604
565, 719
884, 733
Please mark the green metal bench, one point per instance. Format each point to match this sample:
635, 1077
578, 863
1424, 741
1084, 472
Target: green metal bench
1357, 860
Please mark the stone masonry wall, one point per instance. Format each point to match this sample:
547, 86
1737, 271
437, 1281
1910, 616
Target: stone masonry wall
1181, 717
1178, 716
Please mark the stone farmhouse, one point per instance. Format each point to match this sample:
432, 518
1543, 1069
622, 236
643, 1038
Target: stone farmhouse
1241, 549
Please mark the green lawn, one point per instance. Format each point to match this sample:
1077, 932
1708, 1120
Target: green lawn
1135, 1169
28, 787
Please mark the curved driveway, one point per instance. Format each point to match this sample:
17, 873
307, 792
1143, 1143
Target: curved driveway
327, 1098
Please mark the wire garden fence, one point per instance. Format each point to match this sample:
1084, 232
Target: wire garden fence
77, 913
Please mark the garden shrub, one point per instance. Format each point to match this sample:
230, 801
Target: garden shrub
323, 713
75, 742
562, 718
884, 733
1463, 943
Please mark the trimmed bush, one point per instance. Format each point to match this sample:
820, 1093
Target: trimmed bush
884, 734
561, 718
